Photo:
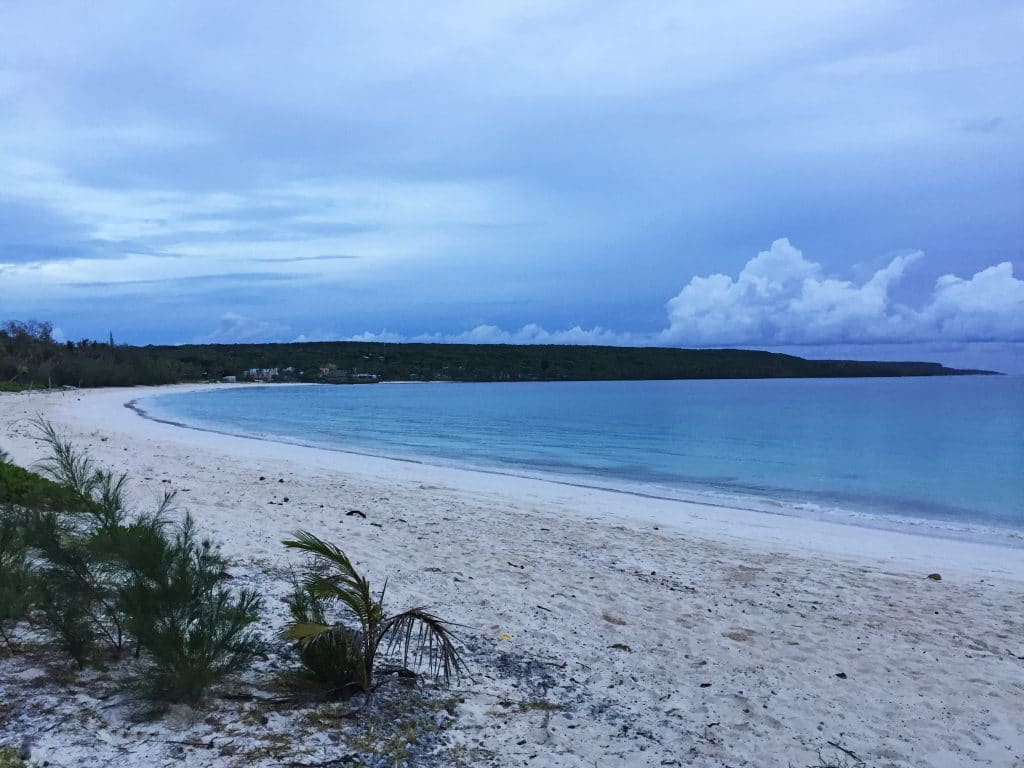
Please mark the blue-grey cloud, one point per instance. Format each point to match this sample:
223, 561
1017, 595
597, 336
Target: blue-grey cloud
201, 281
982, 124
292, 259
543, 166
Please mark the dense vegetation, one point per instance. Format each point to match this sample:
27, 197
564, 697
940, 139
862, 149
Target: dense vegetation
30, 357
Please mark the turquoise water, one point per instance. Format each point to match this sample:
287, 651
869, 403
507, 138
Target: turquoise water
944, 450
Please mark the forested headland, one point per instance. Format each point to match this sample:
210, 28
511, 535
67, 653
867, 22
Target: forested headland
30, 358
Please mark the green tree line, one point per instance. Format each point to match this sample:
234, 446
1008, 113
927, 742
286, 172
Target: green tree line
30, 358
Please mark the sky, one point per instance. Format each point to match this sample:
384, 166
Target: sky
841, 179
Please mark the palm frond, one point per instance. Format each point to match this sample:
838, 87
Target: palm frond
305, 632
347, 585
316, 546
362, 605
425, 639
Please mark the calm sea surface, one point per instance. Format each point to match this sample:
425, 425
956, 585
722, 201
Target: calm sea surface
944, 452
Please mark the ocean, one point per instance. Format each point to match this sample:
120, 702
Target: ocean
942, 454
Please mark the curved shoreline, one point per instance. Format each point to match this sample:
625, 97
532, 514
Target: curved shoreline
102, 411
630, 609
802, 510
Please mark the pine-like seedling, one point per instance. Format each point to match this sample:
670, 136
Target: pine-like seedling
73, 600
108, 576
78, 531
18, 584
191, 629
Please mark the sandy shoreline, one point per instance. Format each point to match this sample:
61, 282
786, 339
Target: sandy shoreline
731, 504
736, 622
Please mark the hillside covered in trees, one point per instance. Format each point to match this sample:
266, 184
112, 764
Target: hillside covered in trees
31, 358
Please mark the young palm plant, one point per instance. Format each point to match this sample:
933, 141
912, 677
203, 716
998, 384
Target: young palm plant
342, 653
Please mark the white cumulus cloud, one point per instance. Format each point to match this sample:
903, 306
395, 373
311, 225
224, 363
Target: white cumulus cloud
988, 307
782, 298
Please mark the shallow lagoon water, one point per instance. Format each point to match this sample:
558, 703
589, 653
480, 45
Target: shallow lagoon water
946, 451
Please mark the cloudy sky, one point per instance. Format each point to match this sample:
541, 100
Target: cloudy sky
829, 179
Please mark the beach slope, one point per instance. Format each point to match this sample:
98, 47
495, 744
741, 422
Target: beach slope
601, 628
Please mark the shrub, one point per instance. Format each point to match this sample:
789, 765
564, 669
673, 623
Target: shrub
28, 524
18, 587
69, 616
79, 581
343, 654
191, 628
104, 576
52, 524
82, 536
70, 595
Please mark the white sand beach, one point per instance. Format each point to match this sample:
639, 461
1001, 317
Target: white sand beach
604, 629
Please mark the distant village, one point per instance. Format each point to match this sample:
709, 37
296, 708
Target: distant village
328, 374
325, 374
